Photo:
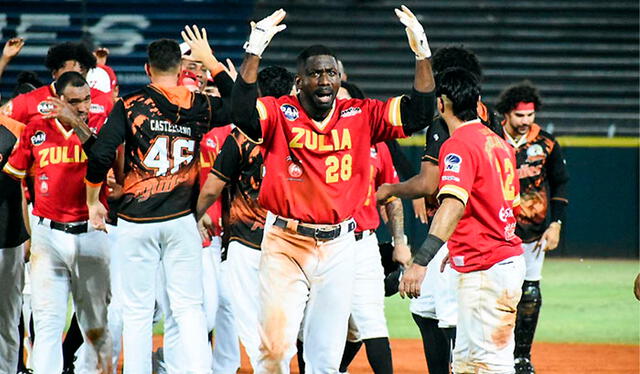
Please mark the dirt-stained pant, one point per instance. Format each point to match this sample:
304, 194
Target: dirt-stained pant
487, 304
304, 277
61, 263
12, 281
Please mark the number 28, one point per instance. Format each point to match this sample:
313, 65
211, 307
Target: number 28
338, 168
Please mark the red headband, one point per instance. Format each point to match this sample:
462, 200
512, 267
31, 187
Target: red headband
525, 106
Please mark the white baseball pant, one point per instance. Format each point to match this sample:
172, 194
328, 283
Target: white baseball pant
304, 277
367, 320
487, 305
175, 246
437, 293
243, 263
533, 260
12, 281
63, 263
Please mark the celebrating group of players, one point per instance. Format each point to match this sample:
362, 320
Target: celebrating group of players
247, 202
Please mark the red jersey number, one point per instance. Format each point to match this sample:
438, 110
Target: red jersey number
157, 157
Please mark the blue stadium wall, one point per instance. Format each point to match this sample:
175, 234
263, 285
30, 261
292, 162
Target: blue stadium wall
602, 218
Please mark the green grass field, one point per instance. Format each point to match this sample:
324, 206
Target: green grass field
587, 301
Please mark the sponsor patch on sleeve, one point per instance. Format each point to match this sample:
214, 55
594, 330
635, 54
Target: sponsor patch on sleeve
452, 162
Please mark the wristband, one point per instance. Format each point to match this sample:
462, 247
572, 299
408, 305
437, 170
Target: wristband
427, 250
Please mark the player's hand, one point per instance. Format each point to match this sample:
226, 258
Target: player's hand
101, 55
98, 216
636, 287
63, 112
415, 33
420, 210
444, 263
12, 47
198, 43
384, 192
412, 281
263, 31
401, 254
551, 237
205, 227
231, 69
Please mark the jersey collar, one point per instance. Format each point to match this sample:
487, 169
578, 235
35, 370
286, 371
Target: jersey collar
66, 133
534, 130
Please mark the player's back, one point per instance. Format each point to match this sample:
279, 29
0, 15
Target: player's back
478, 167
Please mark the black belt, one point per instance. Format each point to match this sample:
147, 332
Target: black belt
328, 233
360, 234
70, 228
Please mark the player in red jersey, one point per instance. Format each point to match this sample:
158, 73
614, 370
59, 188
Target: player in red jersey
61, 58
66, 254
478, 194
316, 151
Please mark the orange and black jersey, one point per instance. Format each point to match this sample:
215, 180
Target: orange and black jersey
438, 132
161, 129
12, 229
240, 164
543, 180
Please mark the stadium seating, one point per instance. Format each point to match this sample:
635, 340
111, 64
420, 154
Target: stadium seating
582, 55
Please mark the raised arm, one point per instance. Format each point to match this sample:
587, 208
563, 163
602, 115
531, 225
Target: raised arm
245, 90
11, 49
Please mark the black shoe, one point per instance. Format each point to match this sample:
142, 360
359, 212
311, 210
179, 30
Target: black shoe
523, 366
69, 370
25, 371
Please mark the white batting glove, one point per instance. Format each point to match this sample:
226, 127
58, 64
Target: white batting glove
417, 38
263, 31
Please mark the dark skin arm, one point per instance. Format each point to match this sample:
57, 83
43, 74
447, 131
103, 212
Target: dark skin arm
443, 225
421, 185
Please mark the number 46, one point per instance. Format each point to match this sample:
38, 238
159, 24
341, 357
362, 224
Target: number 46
157, 156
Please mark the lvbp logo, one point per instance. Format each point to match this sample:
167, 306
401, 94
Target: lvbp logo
290, 112
452, 163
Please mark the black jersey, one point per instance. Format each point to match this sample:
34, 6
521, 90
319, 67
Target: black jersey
161, 129
240, 164
543, 178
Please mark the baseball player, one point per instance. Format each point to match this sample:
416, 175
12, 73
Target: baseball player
435, 311
478, 195
316, 160
68, 56
13, 235
240, 167
543, 183
161, 126
66, 255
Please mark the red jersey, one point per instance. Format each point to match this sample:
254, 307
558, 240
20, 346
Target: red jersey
31, 105
318, 172
210, 147
58, 164
381, 171
479, 168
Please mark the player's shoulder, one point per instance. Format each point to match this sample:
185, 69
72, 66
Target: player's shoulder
15, 127
545, 135
131, 98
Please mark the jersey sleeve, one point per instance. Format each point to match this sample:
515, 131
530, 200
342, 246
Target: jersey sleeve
103, 151
457, 171
387, 172
436, 135
557, 174
268, 114
16, 108
385, 119
227, 164
10, 131
21, 157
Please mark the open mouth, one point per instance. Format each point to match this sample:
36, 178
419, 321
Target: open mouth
325, 97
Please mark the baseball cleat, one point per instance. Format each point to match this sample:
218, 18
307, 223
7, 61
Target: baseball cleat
523, 366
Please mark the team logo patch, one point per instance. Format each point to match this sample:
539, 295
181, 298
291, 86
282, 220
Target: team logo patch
374, 154
45, 107
505, 213
350, 112
96, 108
44, 187
290, 112
211, 143
452, 163
38, 138
535, 150
436, 137
510, 231
295, 170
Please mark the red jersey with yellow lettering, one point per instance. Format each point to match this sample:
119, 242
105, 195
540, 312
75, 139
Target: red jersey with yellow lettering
381, 171
54, 157
210, 147
479, 168
31, 105
318, 172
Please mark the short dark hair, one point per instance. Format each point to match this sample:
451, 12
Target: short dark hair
514, 94
275, 81
455, 56
59, 53
463, 90
354, 91
314, 50
70, 78
164, 54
